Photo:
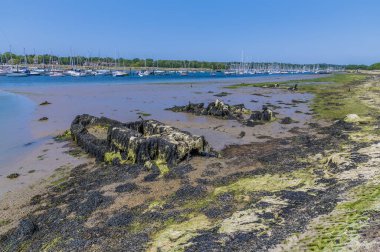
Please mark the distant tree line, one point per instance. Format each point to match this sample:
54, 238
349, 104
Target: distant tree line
8, 58
11, 58
375, 66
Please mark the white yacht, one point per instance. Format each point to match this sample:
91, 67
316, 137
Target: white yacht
119, 74
56, 74
103, 72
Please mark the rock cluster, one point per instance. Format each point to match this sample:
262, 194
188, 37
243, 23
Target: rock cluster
222, 110
216, 109
146, 142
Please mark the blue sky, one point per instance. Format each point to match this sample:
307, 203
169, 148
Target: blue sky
297, 31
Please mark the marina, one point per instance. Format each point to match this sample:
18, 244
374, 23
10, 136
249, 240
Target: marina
54, 66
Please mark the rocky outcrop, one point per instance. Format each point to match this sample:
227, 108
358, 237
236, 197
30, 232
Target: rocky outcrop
148, 142
219, 109
264, 115
216, 109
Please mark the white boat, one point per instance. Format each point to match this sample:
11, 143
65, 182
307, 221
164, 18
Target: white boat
37, 71
103, 72
90, 72
56, 74
34, 73
75, 73
183, 73
229, 72
17, 74
159, 72
144, 73
119, 74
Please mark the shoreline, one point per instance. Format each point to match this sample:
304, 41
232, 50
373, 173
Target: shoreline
304, 180
46, 155
52, 92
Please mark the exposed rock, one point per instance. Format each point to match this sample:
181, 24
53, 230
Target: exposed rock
45, 103
222, 94
43, 119
222, 110
294, 88
287, 120
26, 228
13, 175
123, 219
144, 142
128, 187
242, 134
266, 115
216, 109
354, 118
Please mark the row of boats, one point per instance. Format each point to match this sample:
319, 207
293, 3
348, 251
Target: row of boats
15, 71
25, 72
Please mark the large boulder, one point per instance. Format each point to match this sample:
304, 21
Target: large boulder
145, 142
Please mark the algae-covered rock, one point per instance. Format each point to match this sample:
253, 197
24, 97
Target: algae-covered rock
221, 110
266, 115
145, 141
216, 109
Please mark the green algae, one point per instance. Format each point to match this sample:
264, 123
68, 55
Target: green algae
118, 145
59, 181
156, 204
65, 136
333, 79
332, 100
143, 114
175, 237
338, 229
131, 155
162, 166
51, 244
4, 222
109, 157
270, 182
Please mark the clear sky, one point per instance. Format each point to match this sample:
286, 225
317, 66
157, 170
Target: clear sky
297, 31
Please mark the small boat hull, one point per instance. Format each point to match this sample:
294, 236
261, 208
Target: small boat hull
17, 75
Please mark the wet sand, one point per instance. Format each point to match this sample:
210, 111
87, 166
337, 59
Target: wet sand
125, 102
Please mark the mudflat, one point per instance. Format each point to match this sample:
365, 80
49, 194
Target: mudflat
310, 182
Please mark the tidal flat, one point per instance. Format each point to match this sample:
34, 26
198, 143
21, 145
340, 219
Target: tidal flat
312, 184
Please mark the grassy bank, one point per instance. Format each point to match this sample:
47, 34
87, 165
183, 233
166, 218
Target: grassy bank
335, 96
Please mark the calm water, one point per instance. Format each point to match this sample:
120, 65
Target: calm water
90, 80
15, 115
